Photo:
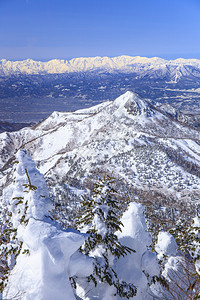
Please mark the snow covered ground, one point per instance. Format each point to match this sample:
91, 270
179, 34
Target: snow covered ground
42, 256
146, 149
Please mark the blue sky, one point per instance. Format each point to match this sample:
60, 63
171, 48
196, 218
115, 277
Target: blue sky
46, 29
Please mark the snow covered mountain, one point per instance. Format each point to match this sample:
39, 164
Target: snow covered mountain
153, 156
153, 67
32, 99
31, 90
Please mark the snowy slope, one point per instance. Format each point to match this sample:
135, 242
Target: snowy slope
154, 67
147, 150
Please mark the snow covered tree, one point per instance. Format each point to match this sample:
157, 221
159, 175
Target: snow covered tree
179, 269
35, 247
188, 238
100, 218
141, 267
188, 242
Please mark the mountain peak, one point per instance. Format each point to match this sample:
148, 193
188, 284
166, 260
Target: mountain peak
132, 103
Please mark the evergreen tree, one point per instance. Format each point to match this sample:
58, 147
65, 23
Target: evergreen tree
100, 216
15, 212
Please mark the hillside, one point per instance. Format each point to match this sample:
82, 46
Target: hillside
154, 157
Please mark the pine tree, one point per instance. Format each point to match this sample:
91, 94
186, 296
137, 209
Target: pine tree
101, 215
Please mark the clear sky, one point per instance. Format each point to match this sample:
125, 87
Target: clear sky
47, 29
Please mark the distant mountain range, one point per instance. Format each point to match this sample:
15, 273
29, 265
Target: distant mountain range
153, 67
32, 90
154, 156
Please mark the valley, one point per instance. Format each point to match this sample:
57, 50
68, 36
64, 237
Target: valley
30, 91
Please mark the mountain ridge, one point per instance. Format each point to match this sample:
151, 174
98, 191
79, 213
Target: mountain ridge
178, 67
128, 110
153, 156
